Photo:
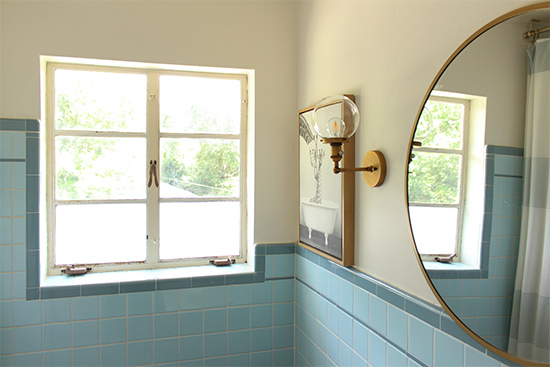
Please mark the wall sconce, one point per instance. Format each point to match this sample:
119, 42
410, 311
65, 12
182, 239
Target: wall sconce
335, 119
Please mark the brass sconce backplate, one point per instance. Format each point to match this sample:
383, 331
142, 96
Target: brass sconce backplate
376, 177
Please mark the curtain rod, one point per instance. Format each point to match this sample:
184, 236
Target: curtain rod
535, 33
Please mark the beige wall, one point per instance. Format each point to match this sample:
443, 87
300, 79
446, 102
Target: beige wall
494, 66
387, 54
259, 35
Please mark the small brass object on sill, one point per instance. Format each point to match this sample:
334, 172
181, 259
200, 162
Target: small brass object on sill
225, 261
445, 259
72, 270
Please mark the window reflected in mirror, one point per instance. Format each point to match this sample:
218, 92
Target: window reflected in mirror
437, 176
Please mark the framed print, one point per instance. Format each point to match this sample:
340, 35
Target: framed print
326, 199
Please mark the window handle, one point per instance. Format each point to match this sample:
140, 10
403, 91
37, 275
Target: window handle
223, 261
445, 259
153, 173
72, 270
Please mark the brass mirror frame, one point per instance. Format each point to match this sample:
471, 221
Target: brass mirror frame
473, 335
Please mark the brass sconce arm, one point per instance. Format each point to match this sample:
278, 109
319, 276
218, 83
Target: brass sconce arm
374, 163
355, 169
338, 169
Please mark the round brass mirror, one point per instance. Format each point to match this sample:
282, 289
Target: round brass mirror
467, 179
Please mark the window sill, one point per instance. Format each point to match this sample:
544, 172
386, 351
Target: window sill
454, 270
93, 284
145, 275
98, 284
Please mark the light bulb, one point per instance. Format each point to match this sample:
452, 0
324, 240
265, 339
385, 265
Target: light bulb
338, 127
335, 117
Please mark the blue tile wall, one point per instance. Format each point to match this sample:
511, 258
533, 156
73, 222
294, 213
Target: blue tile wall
237, 319
298, 309
159, 327
470, 299
382, 327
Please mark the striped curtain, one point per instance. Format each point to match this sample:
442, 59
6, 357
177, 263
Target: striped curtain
530, 319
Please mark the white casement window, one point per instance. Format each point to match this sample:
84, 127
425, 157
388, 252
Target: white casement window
437, 176
145, 167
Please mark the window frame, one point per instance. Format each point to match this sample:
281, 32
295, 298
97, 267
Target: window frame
153, 135
462, 187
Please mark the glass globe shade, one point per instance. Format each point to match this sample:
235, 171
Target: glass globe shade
335, 117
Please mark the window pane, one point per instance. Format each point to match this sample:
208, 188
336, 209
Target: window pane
434, 178
206, 229
100, 233
102, 101
434, 229
86, 168
199, 167
206, 105
441, 125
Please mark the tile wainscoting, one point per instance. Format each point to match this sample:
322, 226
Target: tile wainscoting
296, 309
346, 318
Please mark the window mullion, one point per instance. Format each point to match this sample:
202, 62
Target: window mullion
152, 158
49, 150
463, 172
244, 164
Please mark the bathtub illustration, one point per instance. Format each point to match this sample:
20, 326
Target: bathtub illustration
320, 217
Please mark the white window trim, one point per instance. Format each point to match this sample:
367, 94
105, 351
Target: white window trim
246, 165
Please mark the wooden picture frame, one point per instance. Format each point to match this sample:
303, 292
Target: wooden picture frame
327, 199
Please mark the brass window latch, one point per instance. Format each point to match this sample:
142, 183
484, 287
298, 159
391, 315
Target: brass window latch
153, 174
72, 270
445, 259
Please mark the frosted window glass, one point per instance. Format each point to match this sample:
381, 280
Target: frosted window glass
100, 233
191, 230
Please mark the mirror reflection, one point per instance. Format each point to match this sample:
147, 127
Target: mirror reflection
478, 187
